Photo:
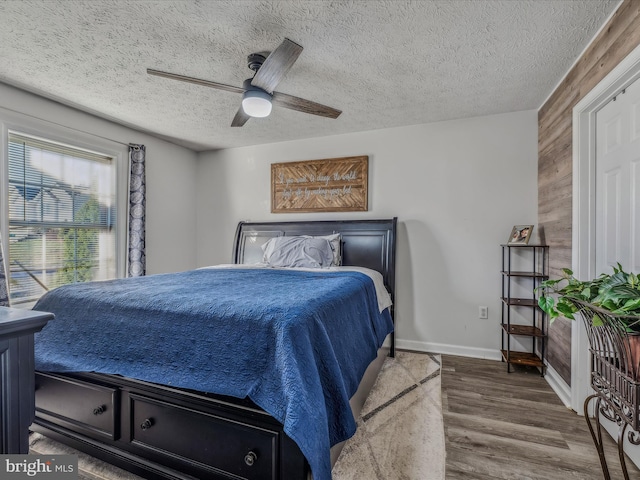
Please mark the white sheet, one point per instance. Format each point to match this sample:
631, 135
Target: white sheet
383, 297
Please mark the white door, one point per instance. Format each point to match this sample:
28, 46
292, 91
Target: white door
617, 205
618, 182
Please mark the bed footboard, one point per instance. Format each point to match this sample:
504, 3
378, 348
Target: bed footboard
164, 433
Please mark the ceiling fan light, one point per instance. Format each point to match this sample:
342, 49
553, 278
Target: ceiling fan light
256, 103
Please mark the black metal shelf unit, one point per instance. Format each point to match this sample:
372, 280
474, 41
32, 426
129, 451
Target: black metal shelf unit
525, 282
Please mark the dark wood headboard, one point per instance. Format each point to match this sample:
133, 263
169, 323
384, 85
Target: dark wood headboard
365, 243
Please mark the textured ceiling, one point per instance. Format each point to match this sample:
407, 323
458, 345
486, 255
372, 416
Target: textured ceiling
383, 63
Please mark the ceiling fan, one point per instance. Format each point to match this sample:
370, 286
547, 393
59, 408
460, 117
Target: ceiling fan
258, 93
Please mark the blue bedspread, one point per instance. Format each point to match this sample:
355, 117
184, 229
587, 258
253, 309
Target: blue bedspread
295, 342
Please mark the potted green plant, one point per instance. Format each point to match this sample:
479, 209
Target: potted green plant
618, 293
615, 295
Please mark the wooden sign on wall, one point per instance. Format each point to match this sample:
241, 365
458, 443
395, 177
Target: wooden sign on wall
330, 185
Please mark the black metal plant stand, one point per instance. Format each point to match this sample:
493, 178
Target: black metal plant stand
615, 377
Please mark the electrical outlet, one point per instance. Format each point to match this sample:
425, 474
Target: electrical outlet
483, 312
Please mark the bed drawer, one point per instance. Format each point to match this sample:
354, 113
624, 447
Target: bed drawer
221, 446
76, 404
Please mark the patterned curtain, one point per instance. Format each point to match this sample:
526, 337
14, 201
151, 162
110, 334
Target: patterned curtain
137, 201
4, 290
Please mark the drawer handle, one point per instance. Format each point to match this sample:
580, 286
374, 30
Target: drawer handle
147, 424
250, 458
100, 410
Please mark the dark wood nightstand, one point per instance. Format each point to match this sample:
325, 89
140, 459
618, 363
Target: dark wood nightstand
17, 376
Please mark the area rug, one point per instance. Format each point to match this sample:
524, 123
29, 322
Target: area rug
89, 468
400, 432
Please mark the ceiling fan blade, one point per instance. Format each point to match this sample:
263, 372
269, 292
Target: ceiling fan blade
240, 119
306, 106
276, 66
197, 81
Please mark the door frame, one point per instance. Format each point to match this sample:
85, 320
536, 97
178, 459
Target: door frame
583, 252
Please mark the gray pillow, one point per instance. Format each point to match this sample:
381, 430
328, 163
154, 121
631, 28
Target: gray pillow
335, 240
309, 252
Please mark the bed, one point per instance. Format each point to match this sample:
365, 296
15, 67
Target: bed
249, 410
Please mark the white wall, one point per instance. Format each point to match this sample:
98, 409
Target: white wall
170, 173
457, 189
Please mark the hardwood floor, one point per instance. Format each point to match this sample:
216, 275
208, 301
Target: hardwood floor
514, 427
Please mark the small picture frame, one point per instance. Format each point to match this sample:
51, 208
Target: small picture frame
520, 235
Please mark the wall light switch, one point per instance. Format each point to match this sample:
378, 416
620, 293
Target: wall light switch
483, 312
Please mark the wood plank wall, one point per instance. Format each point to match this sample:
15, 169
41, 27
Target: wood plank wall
555, 162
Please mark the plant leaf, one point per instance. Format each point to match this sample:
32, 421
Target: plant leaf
566, 310
546, 304
596, 321
631, 305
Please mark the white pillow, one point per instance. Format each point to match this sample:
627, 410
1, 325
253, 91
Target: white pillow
309, 252
335, 240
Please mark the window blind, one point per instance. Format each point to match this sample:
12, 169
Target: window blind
62, 208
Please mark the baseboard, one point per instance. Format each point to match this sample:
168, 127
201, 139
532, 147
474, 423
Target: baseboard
559, 386
443, 348
552, 377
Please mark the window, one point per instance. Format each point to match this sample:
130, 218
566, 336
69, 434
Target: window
62, 209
